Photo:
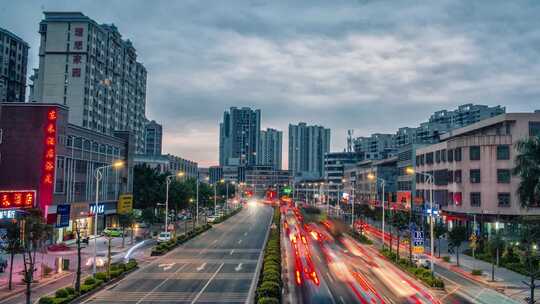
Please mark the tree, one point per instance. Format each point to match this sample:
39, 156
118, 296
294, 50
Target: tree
78, 274
495, 245
528, 169
148, 216
400, 221
36, 231
456, 236
109, 255
125, 221
12, 246
439, 230
148, 187
530, 236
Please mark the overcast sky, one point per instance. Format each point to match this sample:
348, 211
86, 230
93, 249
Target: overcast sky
371, 66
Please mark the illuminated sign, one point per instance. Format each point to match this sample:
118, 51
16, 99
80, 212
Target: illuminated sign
10, 199
125, 204
101, 209
7, 214
49, 157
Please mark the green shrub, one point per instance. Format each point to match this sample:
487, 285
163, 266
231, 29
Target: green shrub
272, 276
86, 288
116, 273
61, 293
101, 276
46, 300
476, 272
446, 259
268, 300
269, 289
89, 281
70, 290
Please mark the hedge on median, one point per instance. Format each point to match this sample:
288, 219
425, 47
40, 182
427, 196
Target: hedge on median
420, 273
164, 247
269, 288
68, 294
227, 215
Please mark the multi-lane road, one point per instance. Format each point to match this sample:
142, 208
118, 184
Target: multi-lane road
218, 266
323, 268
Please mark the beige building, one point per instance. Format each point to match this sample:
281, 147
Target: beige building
472, 169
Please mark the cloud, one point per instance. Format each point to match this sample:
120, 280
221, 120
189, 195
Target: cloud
343, 64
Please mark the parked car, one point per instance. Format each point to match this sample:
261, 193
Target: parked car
211, 219
164, 237
112, 232
421, 260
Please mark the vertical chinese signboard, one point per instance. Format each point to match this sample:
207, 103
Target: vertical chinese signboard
49, 158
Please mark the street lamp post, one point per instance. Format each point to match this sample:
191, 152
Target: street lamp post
168, 181
431, 182
372, 176
99, 176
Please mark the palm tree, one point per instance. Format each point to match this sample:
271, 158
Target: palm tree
528, 169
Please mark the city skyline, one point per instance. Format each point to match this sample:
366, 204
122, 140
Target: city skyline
410, 67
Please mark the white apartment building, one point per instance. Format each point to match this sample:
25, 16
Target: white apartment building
89, 68
472, 170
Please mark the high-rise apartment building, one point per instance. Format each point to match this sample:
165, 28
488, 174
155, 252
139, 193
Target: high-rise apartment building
13, 62
239, 137
307, 147
153, 138
375, 146
91, 69
270, 148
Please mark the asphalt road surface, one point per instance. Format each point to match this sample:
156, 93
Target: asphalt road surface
215, 267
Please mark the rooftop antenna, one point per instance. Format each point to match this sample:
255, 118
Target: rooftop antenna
350, 133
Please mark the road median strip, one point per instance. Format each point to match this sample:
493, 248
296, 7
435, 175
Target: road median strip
270, 285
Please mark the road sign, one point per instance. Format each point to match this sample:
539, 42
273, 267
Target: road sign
62, 216
418, 249
418, 241
125, 204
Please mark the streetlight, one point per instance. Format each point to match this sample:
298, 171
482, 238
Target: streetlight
372, 177
99, 175
168, 181
431, 182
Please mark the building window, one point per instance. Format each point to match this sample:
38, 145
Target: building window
476, 199
450, 155
474, 153
429, 158
503, 176
438, 156
76, 59
76, 72
457, 198
443, 156
474, 176
79, 31
78, 142
504, 199
450, 176
503, 152
77, 45
457, 176
457, 154
534, 128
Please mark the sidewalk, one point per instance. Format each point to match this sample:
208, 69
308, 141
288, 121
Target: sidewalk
50, 259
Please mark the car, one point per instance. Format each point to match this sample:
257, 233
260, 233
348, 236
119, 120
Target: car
421, 260
211, 219
164, 237
141, 225
112, 232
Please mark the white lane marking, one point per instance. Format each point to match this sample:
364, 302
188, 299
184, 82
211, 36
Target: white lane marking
207, 283
231, 253
159, 285
238, 268
330, 277
239, 241
166, 266
245, 233
201, 267
215, 241
341, 299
